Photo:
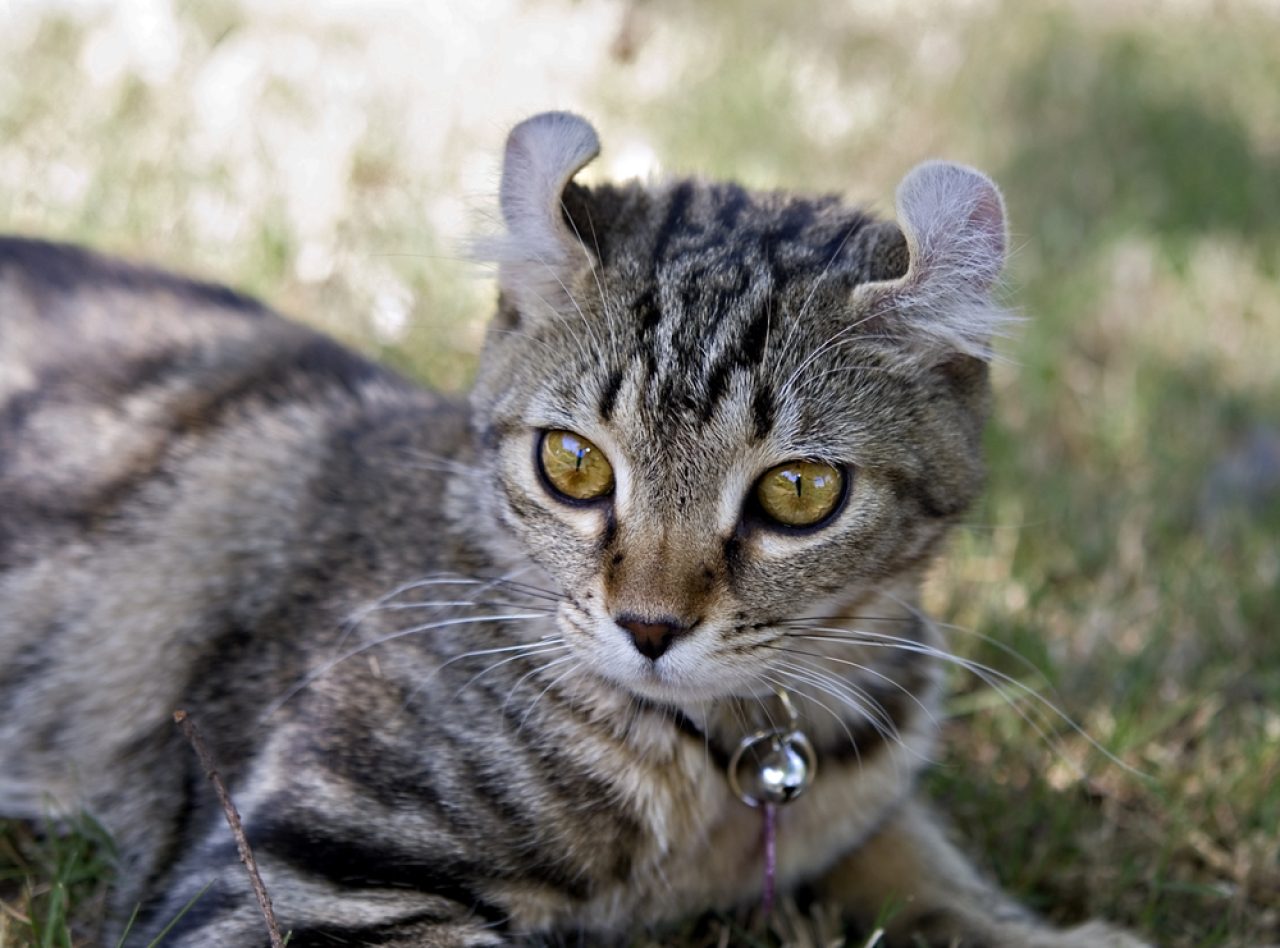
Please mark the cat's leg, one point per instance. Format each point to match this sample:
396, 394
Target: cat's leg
198, 914
910, 874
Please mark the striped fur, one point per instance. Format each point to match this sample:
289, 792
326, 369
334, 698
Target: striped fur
405, 650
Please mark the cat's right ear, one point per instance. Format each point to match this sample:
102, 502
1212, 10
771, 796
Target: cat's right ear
540, 255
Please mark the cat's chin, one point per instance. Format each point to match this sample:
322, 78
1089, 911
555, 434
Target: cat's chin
678, 690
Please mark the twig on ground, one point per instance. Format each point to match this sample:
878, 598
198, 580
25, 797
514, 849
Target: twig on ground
188, 726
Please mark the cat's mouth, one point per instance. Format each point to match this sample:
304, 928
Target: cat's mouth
694, 669
688, 673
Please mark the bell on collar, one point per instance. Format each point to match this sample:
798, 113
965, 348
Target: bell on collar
774, 765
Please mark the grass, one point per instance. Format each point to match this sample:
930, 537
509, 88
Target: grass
53, 883
1127, 545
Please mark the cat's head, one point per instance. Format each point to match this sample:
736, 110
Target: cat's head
707, 410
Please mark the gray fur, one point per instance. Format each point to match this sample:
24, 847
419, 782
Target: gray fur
405, 650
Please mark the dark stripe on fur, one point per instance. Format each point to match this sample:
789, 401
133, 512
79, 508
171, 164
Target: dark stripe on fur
312, 364
208, 909
762, 412
734, 201
609, 393
52, 268
674, 220
743, 357
413, 930
30, 663
353, 864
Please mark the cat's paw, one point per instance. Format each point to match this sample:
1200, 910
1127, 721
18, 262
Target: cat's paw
1089, 935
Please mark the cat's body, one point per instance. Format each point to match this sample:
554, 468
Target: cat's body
456, 705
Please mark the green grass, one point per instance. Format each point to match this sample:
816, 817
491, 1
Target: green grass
52, 883
1127, 546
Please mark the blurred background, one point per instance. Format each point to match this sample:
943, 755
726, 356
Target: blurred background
333, 156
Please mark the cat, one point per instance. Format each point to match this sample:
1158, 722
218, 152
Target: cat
489, 672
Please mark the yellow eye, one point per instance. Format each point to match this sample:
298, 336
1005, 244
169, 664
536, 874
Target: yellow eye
800, 493
573, 466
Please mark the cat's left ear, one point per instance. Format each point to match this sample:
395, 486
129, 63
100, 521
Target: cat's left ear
953, 221
540, 256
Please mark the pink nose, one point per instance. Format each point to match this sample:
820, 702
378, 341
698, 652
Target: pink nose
652, 638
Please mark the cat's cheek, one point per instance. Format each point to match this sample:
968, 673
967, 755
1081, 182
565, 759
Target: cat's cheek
559, 535
582, 527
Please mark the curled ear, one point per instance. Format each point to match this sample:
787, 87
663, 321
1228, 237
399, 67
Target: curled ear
953, 222
539, 255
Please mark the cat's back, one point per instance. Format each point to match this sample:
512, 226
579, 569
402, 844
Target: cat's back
178, 475
117, 379
105, 366
64, 306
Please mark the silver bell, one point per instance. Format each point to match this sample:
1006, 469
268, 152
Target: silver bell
772, 767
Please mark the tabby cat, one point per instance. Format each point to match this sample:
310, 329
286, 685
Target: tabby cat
485, 673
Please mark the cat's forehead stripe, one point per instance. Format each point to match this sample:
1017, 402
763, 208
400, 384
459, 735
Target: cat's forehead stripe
673, 221
729, 272
609, 393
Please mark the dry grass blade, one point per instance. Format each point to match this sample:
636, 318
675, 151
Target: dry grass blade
183, 720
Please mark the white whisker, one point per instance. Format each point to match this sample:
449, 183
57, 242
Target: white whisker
862, 703
328, 666
532, 649
530, 673
454, 603
822, 704
551, 684
992, 677
867, 669
983, 637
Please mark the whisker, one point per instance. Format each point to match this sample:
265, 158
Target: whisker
328, 666
441, 579
822, 704
523, 650
740, 717
563, 319
854, 697
527, 337
989, 640
827, 346
535, 592
534, 649
533, 671
591, 261
856, 617
863, 668
453, 603
804, 307
418, 454
353, 621
920, 616
551, 684
992, 677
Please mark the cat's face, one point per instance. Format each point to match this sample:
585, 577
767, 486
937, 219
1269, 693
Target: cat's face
703, 427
